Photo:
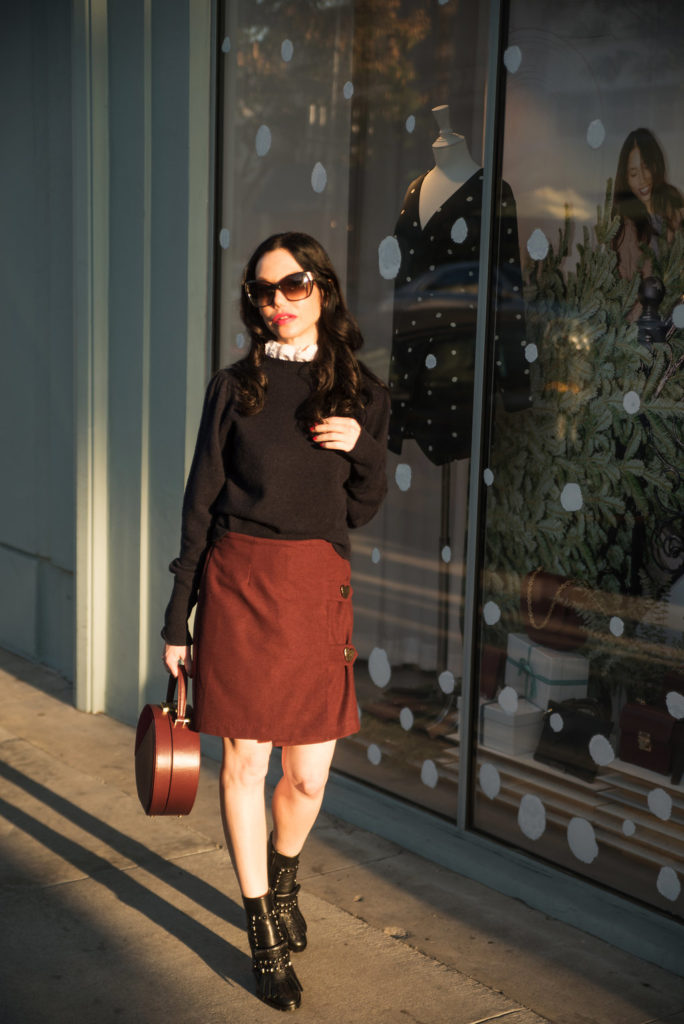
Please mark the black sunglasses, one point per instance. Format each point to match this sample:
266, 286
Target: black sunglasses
294, 287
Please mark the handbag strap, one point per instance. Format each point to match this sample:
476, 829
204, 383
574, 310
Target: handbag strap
182, 682
554, 601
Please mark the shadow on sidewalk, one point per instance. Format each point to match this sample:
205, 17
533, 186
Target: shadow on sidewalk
206, 944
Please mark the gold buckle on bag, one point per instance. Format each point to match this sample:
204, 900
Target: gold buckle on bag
644, 741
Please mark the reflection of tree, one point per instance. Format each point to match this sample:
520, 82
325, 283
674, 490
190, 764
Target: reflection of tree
382, 42
334, 41
606, 418
325, 32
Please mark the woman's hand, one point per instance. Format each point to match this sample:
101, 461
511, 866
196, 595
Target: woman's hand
173, 654
337, 432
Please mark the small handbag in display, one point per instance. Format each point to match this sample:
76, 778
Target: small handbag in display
167, 753
568, 727
651, 738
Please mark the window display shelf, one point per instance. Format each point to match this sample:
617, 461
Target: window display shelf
620, 794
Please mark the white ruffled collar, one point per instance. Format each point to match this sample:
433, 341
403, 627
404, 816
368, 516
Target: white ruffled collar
290, 353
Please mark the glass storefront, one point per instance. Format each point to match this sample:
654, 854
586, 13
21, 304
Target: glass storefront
580, 726
364, 125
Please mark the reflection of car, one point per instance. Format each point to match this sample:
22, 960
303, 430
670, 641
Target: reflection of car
453, 284
452, 289
433, 356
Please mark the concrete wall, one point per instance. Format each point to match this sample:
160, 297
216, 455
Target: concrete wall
36, 334
106, 113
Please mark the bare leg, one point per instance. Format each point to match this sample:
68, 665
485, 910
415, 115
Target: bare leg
298, 796
243, 772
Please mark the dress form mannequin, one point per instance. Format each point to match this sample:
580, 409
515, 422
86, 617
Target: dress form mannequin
433, 340
453, 166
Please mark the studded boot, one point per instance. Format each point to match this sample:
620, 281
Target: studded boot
276, 982
282, 878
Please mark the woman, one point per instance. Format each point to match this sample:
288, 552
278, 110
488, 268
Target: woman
648, 207
290, 453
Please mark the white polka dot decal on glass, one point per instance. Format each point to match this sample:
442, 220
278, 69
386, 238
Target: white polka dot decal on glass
571, 498
628, 827
675, 704
348, 90
531, 353
616, 625
512, 59
402, 476
600, 750
319, 177
532, 817
379, 667
406, 719
488, 477
240, 340
374, 754
668, 884
491, 613
490, 780
375, 556
286, 50
631, 403
459, 231
678, 316
225, 45
410, 123
508, 700
538, 244
446, 681
660, 804
263, 140
428, 774
389, 258
596, 134
430, 361
582, 841
224, 238
446, 554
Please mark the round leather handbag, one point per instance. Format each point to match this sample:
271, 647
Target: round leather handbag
167, 753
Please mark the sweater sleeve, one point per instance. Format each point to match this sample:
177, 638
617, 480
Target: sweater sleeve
205, 482
367, 483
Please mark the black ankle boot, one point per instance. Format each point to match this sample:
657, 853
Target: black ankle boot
282, 878
276, 982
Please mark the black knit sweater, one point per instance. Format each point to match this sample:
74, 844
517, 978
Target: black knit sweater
262, 475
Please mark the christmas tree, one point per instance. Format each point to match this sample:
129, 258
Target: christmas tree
589, 482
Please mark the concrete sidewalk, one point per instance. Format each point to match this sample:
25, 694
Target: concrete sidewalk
110, 916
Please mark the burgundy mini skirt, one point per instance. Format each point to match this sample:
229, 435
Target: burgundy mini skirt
273, 658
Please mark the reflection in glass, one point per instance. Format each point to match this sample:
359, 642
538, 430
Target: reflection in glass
582, 674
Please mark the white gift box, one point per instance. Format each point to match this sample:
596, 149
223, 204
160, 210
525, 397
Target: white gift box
542, 674
512, 733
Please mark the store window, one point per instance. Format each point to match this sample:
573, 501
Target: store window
363, 125
581, 715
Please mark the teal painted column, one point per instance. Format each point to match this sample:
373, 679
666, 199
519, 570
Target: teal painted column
143, 97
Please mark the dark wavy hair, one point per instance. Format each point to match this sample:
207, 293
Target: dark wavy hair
666, 198
339, 381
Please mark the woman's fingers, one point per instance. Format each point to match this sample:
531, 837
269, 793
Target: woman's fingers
174, 653
337, 432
